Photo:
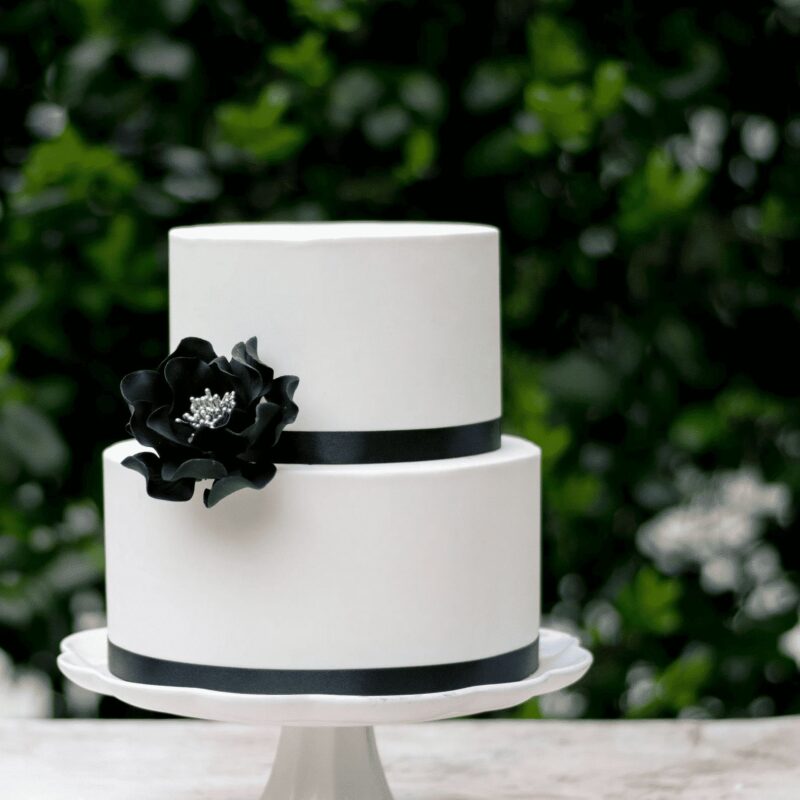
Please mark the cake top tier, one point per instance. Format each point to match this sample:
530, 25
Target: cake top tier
327, 231
389, 325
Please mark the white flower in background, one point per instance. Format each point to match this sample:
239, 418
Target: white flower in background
771, 598
708, 128
789, 643
24, 692
717, 529
564, 704
88, 610
641, 686
603, 620
721, 515
80, 702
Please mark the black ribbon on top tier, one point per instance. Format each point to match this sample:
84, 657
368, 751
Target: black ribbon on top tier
380, 447
515, 665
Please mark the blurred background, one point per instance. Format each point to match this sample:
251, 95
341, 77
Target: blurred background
643, 163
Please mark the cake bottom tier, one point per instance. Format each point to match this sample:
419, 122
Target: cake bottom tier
366, 579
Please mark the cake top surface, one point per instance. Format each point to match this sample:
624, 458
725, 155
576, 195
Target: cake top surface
327, 231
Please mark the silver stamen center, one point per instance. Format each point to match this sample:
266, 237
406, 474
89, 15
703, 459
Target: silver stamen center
208, 411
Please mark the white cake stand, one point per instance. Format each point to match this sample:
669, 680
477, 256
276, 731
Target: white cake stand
327, 747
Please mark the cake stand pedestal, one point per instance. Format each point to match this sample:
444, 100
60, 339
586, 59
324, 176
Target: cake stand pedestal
327, 763
327, 747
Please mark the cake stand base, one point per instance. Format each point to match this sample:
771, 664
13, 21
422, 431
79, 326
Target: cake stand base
327, 764
327, 747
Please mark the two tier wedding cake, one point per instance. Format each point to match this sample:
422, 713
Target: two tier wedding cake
325, 502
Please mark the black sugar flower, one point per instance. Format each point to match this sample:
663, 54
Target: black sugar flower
208, 418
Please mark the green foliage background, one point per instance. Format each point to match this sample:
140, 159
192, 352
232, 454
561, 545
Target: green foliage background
642, 161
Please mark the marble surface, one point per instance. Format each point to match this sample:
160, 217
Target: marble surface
463, 760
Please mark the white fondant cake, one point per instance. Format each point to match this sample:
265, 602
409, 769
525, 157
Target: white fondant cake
387, 325
330, 567
423, 573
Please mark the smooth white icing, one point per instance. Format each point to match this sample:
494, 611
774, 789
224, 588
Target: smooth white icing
388, 325
324, 231
330, 566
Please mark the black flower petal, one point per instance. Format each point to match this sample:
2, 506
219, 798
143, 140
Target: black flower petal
240, 419
282, 393
255, 478
245, 380
149, 465
137, 425
190, 347
199, 469
142, 386
162, 423
231, 447
224, 443
247, 352
263, 433
140, 390
190, 377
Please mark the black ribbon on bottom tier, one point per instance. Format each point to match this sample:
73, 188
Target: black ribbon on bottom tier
382, 447
504, 668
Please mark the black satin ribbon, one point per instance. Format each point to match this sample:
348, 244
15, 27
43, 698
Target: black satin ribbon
381, 447
505, 668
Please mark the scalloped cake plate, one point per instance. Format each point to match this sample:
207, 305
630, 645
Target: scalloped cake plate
83, 659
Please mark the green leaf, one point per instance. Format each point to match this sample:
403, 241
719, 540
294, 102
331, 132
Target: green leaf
305, 60
530, 409
681, 682
156, 56
492, 85
682, 344
352, 93
258, 129
563, 111
278, 143
499, 153
574, 495
658, 194
531, 136
698, 429
554, 49
109, 254
32, 439
422, 93
80, 171
578, 378
737, 404
679, 685
650, 603
385, 126
340, 15
6, 355
82, 64
608, 87
419, 154
777, 218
